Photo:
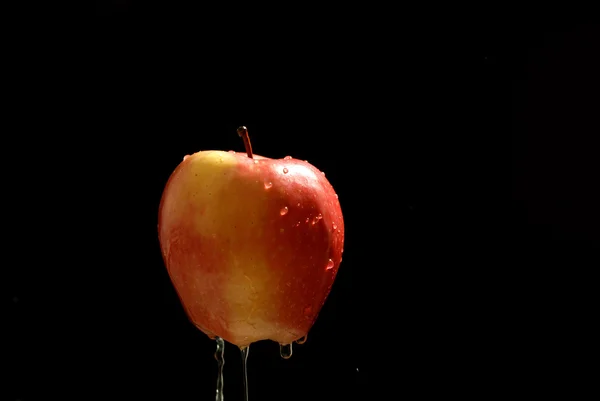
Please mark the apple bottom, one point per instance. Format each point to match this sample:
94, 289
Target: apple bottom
242, 299
243, 322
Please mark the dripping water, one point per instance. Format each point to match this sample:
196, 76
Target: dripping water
302, 340
245, 352
285, 350
220, 357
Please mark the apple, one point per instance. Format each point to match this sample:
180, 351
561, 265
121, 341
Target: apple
252, 244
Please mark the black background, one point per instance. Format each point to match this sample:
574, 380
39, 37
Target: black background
464, 153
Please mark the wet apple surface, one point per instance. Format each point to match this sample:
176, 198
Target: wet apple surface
252, 244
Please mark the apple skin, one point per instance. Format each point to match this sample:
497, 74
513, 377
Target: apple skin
245, 268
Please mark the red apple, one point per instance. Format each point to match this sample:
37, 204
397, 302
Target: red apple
252, 244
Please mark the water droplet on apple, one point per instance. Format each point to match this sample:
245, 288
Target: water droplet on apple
307, 219
285, 350
336, 196
231, 151
298, 204
339, 231
334, 226
302, 340
185, 157
287, 158
268, 184
319, 216
283, 211
285, 170
297, 224
329, 265
307, 310
322, 172
255, 161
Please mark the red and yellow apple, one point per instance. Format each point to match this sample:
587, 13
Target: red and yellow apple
252, 244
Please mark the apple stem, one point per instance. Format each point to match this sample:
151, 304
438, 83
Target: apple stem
243, 132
